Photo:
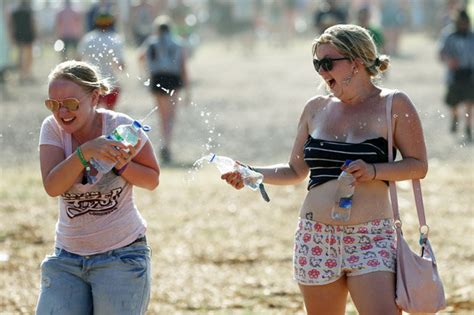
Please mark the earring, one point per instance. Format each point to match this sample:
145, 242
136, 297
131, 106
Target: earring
356, 70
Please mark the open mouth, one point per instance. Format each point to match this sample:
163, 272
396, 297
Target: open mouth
331, 83
68, 121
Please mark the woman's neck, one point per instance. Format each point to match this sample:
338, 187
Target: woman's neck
360, 94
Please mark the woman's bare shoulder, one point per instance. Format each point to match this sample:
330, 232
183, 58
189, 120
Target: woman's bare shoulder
318, 102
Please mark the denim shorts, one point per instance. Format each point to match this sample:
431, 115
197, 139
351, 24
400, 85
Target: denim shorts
114, 282
324, 253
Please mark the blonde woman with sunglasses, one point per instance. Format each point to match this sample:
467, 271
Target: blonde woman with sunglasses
101, 260
334, 258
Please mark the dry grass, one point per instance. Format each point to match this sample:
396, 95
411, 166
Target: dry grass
217, 250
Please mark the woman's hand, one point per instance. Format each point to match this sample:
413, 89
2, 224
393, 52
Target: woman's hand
104, 149
125, 156
234, 179
361, 170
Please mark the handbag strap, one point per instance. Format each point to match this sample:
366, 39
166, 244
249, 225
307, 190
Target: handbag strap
415, 182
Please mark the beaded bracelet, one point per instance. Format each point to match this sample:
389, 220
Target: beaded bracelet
90, 178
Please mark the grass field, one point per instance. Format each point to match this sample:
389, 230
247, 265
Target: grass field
217, 250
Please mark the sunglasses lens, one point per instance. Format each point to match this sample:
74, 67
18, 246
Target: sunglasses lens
316, 64
326, 64
52, 105
71, 104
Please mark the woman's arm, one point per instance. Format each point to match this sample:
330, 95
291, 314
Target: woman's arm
143, 171
408, 138
60, 173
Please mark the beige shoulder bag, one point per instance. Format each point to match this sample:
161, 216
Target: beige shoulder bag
419, 288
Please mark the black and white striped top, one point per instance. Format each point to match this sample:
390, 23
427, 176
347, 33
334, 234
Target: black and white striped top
325, 158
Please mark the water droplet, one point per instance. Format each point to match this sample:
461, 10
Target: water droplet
58, 45
146, 83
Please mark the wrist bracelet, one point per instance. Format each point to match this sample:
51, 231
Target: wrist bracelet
375, 171
119, 171
89, 177
82, 159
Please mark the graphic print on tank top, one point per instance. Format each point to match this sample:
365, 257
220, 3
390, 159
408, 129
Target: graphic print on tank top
93, 203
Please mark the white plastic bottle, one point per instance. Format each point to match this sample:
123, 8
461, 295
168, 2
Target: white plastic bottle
127, 134
252, 179
343, 201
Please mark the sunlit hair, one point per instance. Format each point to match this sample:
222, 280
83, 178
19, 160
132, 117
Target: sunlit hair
354, 42
81, 73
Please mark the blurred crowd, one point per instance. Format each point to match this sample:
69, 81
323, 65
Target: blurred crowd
27, 27
30, 25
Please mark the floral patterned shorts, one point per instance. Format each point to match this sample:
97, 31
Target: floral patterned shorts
323, 253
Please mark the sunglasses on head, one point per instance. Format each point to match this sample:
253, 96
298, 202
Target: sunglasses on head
326, 63
72, 104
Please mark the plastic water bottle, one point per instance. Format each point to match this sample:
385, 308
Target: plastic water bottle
127, 134
252, 179
344, 193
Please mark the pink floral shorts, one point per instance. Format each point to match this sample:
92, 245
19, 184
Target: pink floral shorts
323, 253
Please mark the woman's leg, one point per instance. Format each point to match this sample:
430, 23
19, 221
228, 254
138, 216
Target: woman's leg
325, 299
374, 293
469, 106
121, 280
63, 290
167, 112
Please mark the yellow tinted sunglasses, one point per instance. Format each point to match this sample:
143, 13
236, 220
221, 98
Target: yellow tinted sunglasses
71, 103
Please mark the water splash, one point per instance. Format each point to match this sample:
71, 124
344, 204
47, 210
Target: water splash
148, 115
199, 163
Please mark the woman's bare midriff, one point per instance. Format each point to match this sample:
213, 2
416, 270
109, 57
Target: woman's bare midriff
370, 202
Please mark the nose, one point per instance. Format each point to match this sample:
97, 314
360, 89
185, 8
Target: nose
62, 109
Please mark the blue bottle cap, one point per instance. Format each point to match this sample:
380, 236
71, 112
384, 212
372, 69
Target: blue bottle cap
347, 162
345, 203
138, 125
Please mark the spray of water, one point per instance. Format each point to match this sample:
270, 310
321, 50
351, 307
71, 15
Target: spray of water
148, 115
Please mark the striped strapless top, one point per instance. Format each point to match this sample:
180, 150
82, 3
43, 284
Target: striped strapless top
325, 158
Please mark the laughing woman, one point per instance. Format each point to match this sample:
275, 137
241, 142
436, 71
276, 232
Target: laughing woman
335, 258
101, 260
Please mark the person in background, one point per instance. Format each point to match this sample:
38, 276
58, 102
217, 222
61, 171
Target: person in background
107, 6
45, 24
69, 29
165, 60
456, 52
101, 260
4, 52
141, 20
103, 47
363, 19
393, 18
332, 257
329, 13
23, 29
